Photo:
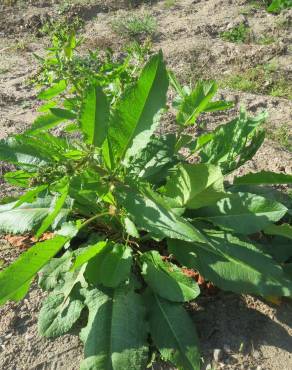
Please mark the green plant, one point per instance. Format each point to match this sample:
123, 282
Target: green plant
283, 136
277, 5
264, 79
169, 3
237, 34
126, 211
135, 26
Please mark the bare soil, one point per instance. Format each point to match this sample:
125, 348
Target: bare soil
250, 333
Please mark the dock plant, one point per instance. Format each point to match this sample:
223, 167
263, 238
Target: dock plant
126, 212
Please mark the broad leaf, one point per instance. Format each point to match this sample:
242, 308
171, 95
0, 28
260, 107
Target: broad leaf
284, 230
233, 264
110, 267
115, 337
19, 273
263, 178
62, 308
159, 221
95, 116
54, 270
28, 216
174, 333
243, 213
89, 252
153, 162
234, 143
167, 280
195, 185
135, 118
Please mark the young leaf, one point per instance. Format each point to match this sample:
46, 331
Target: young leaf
19, 273
233, 264
63, 113
159, 221
53, 91
95, 116
19, 178
167, 280
263, 178
174, 333
196, 102
30, 196
135, 118
243, 213
116, 335
195, 185
110, 267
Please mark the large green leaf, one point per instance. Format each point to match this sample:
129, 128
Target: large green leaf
52, 272
111, 266
135, 118
95, 116
284, 230
234, 143
167, 280
153, 217
28, 216
115, 337
62, 308
263, 178
243, 213
13, 151
153, 162
89, 252
19, 273
195, 185
233, 264
174, 333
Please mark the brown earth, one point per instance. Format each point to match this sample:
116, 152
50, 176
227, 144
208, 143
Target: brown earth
250, 333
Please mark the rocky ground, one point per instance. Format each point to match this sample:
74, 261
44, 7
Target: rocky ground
236, 332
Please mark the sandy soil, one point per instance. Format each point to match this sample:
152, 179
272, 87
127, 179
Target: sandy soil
250, 333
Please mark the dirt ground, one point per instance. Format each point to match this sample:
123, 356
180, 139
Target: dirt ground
241, 332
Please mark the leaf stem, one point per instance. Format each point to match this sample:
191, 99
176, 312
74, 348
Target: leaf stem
93, 218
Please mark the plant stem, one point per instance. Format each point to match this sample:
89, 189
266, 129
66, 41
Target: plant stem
93, 218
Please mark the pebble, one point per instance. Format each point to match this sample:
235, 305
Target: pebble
217, 354
256, 355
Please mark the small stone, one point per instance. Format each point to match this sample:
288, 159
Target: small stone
256, 355
227, 348
209, 367
259, 368
217, 354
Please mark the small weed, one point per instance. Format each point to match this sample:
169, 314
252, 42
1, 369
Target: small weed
135, 27
237, 34
263, 79
283, 23
265, 40
283, 136
169, 3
